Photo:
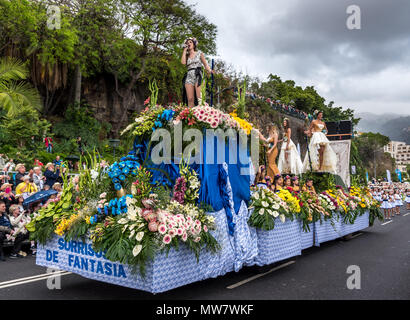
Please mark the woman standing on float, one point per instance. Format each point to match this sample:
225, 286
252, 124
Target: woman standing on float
193, 78
322, 156
289, 159
272, 141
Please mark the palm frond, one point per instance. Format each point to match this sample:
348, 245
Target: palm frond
12, 69
14, 94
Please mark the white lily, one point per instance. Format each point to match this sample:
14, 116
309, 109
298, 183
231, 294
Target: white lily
123, 221
282, 218
139, 236
137, 249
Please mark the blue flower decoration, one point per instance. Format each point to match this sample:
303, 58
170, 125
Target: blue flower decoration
117, 186
122, 177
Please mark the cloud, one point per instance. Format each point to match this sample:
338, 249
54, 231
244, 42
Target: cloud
309, 42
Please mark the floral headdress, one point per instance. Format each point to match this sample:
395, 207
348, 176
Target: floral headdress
194, 40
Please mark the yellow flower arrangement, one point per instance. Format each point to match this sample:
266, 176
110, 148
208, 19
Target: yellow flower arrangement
245, 125
292, 202
65, 224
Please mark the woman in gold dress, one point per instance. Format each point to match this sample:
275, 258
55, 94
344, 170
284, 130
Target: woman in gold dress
272, 153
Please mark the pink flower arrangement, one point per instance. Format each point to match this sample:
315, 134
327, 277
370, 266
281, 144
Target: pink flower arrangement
208, 115
179, 190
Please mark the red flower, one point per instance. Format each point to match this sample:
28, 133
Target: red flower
147, 101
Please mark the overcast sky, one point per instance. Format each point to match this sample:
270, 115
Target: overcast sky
308, 41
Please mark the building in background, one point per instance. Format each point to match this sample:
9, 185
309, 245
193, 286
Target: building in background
400, 152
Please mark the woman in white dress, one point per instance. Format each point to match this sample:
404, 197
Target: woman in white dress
408, 199
322, 156
289, 159
398, 201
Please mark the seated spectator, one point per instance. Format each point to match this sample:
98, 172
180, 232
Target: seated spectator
19, 220
3, 160
6, 195
20, 174
20, 200
51, 177
6, 231
57, 162
9, 166
57, 187
4, 178
38, 178
27, 187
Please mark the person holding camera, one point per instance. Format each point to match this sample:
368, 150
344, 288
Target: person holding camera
27, 187
51, 176
193, 78
7, 232
18, 221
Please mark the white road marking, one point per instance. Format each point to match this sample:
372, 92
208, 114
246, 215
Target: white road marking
260, 275
356, 235
17, 282
406, 214
387, 222
32, 277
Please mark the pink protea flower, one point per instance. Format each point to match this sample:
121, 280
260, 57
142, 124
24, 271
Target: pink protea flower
197, 239
180, 231
205, 228
172, 233
184, 237
153, 226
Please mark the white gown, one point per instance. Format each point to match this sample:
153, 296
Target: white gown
294, 163
329, 156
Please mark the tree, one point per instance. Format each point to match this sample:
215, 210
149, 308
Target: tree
369, 151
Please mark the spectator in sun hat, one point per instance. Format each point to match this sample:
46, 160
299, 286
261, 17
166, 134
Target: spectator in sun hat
57, 187
51, 176
6, 195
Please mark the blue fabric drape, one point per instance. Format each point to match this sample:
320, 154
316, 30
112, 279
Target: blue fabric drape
211, 173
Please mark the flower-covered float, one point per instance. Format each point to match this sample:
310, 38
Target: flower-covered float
157, 225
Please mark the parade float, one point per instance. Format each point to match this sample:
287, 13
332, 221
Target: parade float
157, 226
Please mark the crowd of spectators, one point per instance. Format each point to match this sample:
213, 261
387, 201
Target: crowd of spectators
16, 185
281, 107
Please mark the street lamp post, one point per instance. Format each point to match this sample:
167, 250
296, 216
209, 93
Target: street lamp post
114, 143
